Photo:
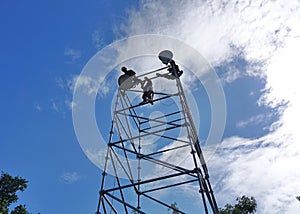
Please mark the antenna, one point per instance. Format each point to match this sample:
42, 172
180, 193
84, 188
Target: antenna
165, 56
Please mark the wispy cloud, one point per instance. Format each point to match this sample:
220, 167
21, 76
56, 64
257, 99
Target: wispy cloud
254, 120
37, 107
219, 30
60, 82
58, 105
70, 104
72, 54
70, 177
54, 106
261, 167
87, 84
231, 74
90, 85
97, 40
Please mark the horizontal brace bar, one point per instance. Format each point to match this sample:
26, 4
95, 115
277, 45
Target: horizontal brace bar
150, 72
141, 91
171, 123
171, 185
148, 181
167, 150
170, 138
132, 107
165, 164
147, 119
167, 115
144, 135
123, 202
162, 203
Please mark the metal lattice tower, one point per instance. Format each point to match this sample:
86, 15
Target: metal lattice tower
142, 149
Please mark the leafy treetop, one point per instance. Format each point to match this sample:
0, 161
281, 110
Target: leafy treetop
8, 193
244, 205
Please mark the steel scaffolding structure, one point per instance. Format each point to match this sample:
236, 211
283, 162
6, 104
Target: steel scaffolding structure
143, 153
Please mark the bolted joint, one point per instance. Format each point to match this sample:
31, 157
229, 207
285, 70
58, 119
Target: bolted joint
195, 170
102, 192
138, 192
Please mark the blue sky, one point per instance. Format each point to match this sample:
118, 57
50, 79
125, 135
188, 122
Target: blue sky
44, 45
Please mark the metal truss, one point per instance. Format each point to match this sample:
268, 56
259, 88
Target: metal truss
140, 160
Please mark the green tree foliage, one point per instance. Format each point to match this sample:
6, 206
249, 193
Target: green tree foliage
244, 205
21, 209
8, 193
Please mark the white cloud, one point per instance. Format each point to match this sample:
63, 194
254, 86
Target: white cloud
254, 120
267, 33
97, 40
89, 84
263, 168
70, 177
57, 105
216, 28
70, 104
37, 107
54, 106
60, 82
72, 54
83, 81
231, 74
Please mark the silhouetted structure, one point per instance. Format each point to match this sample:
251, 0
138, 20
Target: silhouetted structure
143, 151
